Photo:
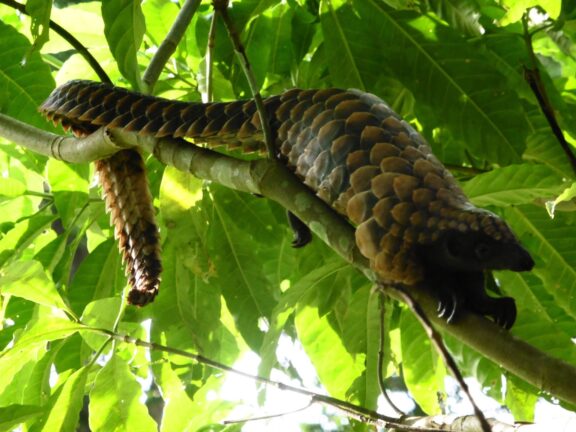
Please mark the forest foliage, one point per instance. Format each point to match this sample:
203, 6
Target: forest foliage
456, 70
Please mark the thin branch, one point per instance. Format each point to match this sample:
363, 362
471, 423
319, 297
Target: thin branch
270, 416
221, 6
364, 414
534, 79
210, 56
169, 44
436, 339
383, 389
82, 50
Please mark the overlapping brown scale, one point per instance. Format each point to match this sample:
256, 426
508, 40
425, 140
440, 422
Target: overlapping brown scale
129, 202
349, 146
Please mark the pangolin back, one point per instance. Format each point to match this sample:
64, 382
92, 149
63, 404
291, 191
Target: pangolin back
348, 146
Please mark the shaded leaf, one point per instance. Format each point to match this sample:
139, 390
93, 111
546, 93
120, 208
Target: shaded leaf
124, 28
513, 185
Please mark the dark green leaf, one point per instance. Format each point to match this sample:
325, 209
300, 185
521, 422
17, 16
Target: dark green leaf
124, 28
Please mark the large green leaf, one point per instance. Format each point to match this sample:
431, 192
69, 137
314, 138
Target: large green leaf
100, 275
24, 233
124, 28
14, 415
513, 185
423, 372
552, 242
28, 279
318, 338
458, 87
65, 404
25, 80
114, 400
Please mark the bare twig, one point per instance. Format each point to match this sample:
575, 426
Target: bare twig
221, 6
358, 411
534, 79
270, 416
381, 357
82, 50
436, 339
210, 56
169, 44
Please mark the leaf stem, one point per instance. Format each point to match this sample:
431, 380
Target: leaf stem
534, 78
221, 6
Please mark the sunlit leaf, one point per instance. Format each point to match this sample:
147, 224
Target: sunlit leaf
114, 400
14, 415
423, 372
66, 403
28, 279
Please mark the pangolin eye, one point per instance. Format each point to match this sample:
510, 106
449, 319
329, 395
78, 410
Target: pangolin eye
482, 251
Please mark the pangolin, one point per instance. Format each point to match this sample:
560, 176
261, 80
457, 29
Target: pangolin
413, 222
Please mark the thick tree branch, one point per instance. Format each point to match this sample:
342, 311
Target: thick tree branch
276, 182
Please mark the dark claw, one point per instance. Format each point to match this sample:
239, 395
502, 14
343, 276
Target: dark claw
302, 234
503, 312
448, 307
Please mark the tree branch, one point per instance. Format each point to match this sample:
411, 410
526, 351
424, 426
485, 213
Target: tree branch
221, 6
273, 180
169, 44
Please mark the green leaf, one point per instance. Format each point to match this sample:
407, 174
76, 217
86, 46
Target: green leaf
22, 86
11, 188
173, 390
239, 272
124, 28
13, 415
100, 275
448, 76
553, 242
341, 28
318, 338
102, 313
114, 400
33, 229
513, 185
66, 403
48, 327
29, 280
423, 373
39, 10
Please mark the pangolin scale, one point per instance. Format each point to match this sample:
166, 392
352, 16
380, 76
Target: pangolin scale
413, 222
